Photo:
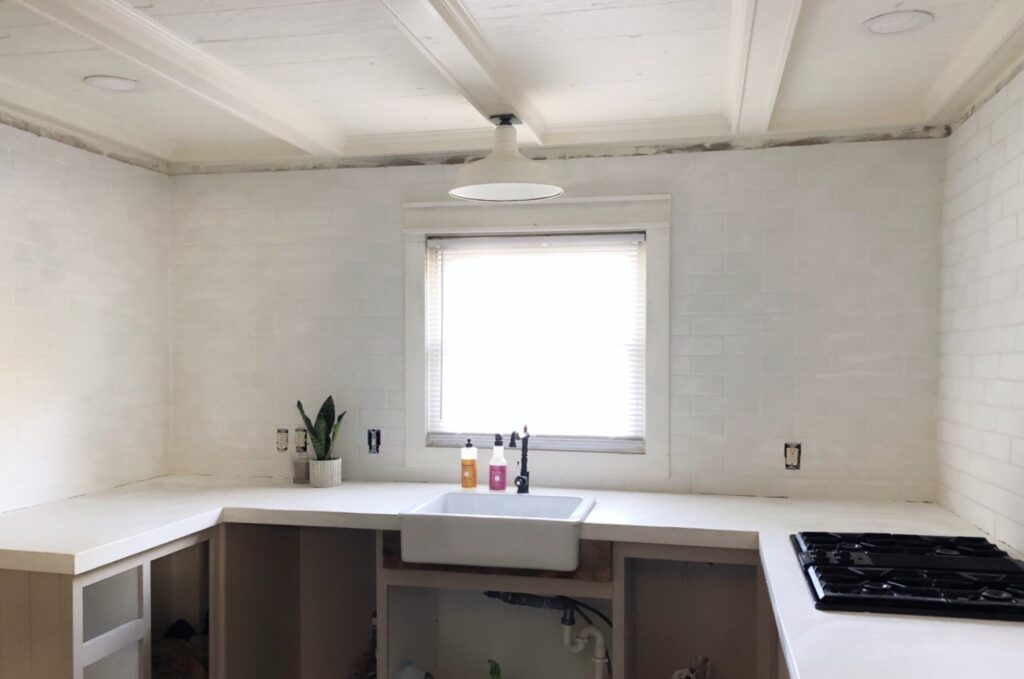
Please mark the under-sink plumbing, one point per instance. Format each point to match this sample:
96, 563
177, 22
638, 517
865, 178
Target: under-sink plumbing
574, 641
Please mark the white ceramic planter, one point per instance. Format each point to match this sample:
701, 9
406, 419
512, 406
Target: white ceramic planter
325, 473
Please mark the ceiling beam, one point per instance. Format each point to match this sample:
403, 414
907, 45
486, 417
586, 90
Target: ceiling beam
446, 34
647, 131
133, 35
994, 51
621, 133
760, 36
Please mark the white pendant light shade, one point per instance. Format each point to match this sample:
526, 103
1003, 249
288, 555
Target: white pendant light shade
506, 175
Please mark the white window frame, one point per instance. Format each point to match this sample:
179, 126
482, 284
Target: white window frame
543, 441
647, 214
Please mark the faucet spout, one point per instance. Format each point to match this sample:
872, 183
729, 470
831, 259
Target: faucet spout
523, 480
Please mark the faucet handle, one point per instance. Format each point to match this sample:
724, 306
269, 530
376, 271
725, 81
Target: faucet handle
512, 439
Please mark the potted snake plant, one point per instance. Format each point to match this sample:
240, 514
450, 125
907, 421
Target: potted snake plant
325, 470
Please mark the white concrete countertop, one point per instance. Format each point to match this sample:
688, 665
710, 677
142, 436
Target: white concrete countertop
80, 534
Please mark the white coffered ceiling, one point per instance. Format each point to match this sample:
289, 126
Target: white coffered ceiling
263, 81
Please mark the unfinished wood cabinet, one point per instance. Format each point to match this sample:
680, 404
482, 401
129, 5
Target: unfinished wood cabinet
669, 605
97, 625
297, 602
35, 625
439, 619
127, 606
121, 608
302, 603
675, 604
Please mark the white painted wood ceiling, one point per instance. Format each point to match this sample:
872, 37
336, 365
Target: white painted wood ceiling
263, 81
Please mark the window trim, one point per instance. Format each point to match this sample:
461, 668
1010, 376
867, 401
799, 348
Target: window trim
647, 214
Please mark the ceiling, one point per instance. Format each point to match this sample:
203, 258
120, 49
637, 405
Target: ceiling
289, 81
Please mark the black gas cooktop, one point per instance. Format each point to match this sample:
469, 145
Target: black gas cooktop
917, 574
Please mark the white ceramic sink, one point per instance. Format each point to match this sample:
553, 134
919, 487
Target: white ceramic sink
496, 529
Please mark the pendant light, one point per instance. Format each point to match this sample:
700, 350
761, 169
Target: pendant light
506, 175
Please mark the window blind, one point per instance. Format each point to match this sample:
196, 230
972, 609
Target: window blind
547, 331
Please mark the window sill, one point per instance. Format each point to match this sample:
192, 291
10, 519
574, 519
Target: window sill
558, 444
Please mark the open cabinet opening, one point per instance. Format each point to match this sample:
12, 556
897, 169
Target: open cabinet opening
682, 611
180, 611
299, 603
454, 633
686, 612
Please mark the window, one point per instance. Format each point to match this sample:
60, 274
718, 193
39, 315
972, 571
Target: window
547, 331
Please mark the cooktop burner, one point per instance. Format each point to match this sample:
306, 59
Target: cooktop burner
919, 574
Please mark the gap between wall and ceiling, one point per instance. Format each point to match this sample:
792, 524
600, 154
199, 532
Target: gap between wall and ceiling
546, 153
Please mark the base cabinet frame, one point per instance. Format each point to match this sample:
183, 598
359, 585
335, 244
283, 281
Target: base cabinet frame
627, 557
59, 609
55, 643
620, 592
138, 630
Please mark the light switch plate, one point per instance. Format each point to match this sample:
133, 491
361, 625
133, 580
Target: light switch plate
301, 440
282, 440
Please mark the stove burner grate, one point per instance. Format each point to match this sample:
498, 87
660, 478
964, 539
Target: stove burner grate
950, 576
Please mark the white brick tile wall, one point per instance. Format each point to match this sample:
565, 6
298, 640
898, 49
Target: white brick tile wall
805, 306
83, 321
981, 431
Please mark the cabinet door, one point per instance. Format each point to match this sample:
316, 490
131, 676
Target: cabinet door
112, 602
113, 608
124, 664
114, 611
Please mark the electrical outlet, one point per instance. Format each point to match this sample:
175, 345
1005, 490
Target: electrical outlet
301, 440
373, 441
282, 440
792, 455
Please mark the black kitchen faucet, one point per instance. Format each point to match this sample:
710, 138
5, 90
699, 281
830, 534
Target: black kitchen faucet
523, 480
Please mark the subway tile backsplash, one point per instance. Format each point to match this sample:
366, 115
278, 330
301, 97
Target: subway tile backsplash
805, 294
805, 307
83, 321
981, 432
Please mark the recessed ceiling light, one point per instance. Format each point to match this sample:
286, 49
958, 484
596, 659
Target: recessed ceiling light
112, 83
899, 21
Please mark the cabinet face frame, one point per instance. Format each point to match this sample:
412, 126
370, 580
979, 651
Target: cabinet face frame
57, 601
621, 592
136, 631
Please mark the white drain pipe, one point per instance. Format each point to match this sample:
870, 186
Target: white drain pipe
576, 643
